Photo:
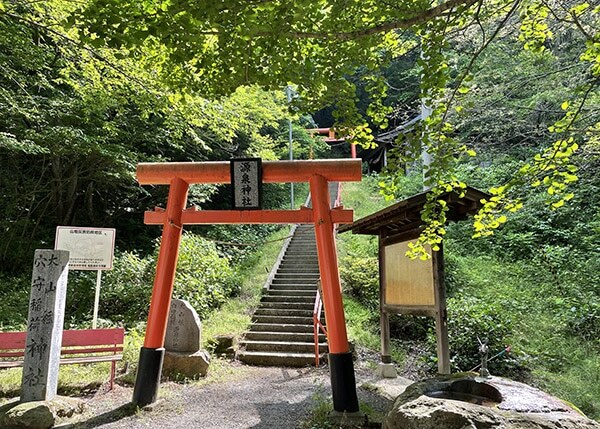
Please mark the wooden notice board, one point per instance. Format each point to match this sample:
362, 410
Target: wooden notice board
409, 283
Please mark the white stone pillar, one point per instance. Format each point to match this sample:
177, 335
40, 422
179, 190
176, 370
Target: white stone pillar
45, 325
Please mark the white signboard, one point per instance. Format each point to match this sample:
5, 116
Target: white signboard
90, 248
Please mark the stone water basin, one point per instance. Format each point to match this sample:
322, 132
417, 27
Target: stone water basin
465, 401
472, 391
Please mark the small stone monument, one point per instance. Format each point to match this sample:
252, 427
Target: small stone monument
184, 328
183, 356
45, 325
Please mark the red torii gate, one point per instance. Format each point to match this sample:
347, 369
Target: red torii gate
179, 175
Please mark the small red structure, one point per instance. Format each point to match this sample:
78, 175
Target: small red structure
330, 133
179, 176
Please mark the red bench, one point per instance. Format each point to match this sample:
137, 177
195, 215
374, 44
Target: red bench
78, 346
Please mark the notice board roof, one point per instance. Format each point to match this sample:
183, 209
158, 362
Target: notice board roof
404, 217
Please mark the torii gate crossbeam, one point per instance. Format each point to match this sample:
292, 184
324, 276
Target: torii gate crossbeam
179, 176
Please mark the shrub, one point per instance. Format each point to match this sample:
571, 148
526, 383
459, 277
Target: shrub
409, 328
15, 301
126, 291
203, 278
584, 321
232, 240
470, 318
360, 278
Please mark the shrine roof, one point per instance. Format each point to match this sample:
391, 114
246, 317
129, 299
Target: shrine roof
404, 217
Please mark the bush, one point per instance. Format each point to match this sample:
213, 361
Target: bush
584, 321
203, 278
15, 302
410, 328
232, 240
360, 279
127, 289
470, 318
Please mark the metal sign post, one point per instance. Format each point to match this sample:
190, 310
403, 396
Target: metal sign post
89, 249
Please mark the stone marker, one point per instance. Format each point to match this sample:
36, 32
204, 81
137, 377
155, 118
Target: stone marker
183, 356
45, 325
183, 328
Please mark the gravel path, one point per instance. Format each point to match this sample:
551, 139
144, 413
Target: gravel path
261, 398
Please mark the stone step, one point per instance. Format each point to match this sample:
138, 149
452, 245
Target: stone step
296, 279
299, 282
289, 320
281, 327
291, 269
293, 292
288, 299
292, 286
299, 262
301, 337
307, 256
297, 275
283, 312
282, 305
282, 346
277, 358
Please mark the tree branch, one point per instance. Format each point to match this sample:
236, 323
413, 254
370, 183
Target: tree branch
421, 18
478, 53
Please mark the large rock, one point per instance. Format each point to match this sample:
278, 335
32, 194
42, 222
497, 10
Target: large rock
508, 405
38, 414
190, 365
222, 345
184, 328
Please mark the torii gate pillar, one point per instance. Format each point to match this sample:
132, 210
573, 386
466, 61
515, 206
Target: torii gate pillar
341, 367
179, 176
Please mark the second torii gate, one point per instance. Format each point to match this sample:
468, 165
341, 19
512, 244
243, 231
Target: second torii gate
179, 175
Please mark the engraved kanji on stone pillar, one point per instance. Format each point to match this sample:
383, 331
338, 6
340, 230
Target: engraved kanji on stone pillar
45, 325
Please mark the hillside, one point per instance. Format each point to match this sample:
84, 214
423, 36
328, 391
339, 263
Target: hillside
528, 297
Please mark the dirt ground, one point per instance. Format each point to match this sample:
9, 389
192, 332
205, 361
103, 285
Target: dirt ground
257, 397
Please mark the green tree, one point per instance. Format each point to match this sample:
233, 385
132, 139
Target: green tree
74, 122
213, 48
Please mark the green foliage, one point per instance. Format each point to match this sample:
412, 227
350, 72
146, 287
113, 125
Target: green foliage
360, 279
75, 121
237, 242
203, 277
470, 318
14, 303
177, 51
579, 382
126, 290
584, 320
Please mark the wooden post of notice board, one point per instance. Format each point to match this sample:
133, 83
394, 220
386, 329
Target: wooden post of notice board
441, 315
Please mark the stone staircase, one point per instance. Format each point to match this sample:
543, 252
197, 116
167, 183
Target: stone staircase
282, 330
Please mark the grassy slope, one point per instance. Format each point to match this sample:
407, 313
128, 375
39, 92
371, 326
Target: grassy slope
559, 363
